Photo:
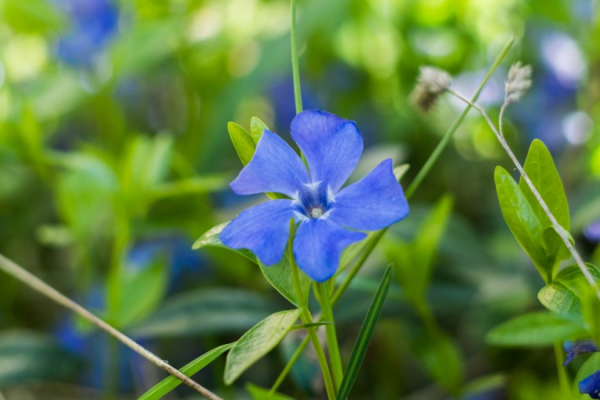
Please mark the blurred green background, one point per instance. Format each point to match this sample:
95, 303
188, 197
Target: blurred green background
115, 157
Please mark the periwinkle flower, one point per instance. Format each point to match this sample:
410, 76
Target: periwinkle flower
590, 385
328, 217
574, 349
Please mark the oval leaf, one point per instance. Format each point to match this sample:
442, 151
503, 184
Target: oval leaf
562, 295
535, 329
257, 342
243, 143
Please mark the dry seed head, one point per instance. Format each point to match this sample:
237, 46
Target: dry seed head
431, 83
519, 80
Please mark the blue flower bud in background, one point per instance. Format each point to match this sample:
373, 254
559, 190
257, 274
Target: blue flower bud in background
92, 24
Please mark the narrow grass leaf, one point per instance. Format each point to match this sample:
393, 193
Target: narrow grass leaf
170, 383
365, 335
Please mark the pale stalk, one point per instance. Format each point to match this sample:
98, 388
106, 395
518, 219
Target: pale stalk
38, 285
559, 229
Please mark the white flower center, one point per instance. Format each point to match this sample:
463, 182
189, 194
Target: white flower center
316, 212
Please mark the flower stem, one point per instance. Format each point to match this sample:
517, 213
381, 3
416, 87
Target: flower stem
409, 193
563, 379
332, 342
312, 333
18, 272
444, 142
295, 68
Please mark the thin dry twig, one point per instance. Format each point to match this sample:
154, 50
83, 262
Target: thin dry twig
40, 286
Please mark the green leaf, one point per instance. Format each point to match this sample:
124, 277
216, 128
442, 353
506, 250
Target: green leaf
563, 294
535, 329
257, 342
145, 288
257, 128
259, 393
556, 249
242, 141
441, 358
311, 325
365, 335
27, 356
278, 275
414, 262
522, 220
540, 168
205, 312
168, 384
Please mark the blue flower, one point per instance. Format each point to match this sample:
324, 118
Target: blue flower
328, 218
591, 385
574, 349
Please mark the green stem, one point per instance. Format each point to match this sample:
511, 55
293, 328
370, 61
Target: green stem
332, 342
295, 68
563, 379
312, 333
444, 142
409, 192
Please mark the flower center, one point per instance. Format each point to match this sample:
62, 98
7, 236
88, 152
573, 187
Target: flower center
316, 212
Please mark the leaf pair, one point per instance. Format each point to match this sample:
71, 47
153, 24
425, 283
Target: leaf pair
525, 217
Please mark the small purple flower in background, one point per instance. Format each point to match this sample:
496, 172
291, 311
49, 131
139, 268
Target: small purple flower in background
93, 23
592, 231
325, 214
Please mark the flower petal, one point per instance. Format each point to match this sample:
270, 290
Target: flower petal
318, 245
375, 202
264, 229
275, 167
590, 385
332, 146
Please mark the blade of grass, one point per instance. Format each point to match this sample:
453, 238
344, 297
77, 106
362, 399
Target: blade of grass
365, 335
170, 383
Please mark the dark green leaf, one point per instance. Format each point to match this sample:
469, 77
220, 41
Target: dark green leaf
206, 312
257, 342
168, 384
242, 141
28, 356
522, 220
535, 329
145, 288
365, 335
442, 359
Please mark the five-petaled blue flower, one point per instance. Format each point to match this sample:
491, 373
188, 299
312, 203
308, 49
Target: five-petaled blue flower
329, 219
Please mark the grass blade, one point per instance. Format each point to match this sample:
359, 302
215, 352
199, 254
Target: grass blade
170, 383
365, 334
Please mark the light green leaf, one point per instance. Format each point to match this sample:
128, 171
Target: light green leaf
365, 335
563, 294
242, 141
257, 342
145, 288
278, 275
205, 312
441, 358
259, 393
535, 329
28, 356
257, 128
556, 250
540, 168
522, 220
168, 384
400, 171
